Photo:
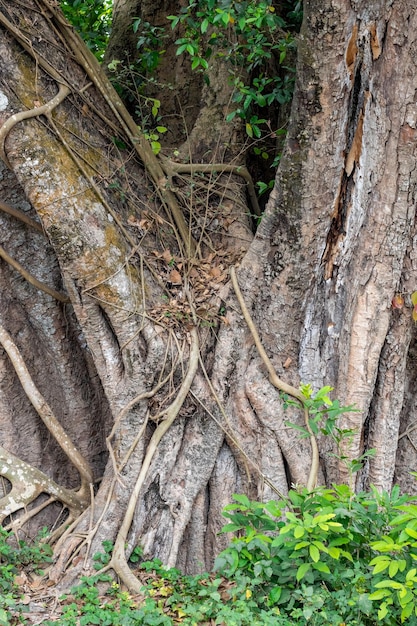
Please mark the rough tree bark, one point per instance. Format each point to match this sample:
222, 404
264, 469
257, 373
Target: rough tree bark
336, 244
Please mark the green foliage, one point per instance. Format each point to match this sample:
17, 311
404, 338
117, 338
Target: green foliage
92, 20
395, 566
314, 561
323, 417
249, 35
148, 45
14, 556
130, 86
324, 557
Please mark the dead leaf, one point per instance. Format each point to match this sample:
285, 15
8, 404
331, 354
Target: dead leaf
215, 271
175, 277
167, 256
21, 579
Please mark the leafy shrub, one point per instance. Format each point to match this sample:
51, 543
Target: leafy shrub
324, 557
311, 556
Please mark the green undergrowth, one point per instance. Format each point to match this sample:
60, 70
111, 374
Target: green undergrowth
17, 555
326, 557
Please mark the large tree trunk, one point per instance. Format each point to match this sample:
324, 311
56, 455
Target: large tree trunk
143, 254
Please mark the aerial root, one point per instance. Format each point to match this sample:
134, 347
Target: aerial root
277, 382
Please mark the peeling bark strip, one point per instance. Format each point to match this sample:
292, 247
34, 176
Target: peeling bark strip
358, 62
351, 51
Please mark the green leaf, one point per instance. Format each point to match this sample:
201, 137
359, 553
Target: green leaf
242, 499
383, 611
299, 532
411, 575
181, 49
390, 584
249, 130
231, 528
380, 567
334, 552
393, 569
364, 603
174, 20
407, 610
275, 594
204, 25
321, 567
301, 429
4, 620
314, 553
302, 571
378, 595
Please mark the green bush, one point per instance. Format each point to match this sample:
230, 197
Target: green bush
316, 556
92, 20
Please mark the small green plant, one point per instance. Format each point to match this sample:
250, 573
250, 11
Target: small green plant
323, 417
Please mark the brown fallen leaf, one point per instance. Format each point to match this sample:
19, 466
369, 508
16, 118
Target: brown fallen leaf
175, 277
